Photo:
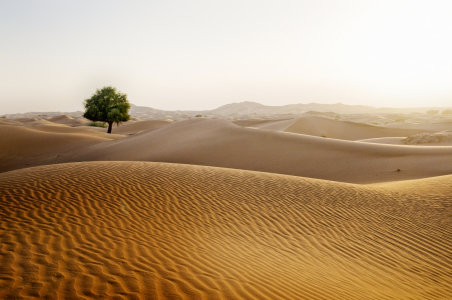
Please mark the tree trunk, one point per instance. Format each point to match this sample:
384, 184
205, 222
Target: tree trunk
110, 125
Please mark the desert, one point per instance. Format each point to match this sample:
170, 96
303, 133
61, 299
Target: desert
310, 207
180, 150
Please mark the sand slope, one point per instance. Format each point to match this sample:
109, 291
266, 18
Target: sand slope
5, 121
222, 144
69, 121
251, 122
403, 141
82, 130
318, 126
278, 125
163, 231
24, 146
433, 126
389, 141
34, 122
138, 126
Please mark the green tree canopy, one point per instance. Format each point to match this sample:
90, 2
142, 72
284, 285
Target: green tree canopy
108, 106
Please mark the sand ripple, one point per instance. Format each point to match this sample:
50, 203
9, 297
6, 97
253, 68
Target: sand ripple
131, 230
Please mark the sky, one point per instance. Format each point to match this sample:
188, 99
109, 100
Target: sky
195, 55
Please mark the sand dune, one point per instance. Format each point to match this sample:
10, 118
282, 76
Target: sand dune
253, 122
34, 122
83, 130
138, 126
93, 128
278, 125
389, 141
440, 126
222, 144
250, 122
365, 118
165, 231
430, 187
69, 121
9, 122
318, 126
412, 140
24, 146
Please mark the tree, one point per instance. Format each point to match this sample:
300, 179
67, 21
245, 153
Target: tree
108, 106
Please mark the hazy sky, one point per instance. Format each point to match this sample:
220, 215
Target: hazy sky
203, 54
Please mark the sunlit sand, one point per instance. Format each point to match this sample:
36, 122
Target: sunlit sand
312, 207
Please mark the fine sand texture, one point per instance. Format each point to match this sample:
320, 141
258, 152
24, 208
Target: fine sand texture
222, 144
344, 130
134, 230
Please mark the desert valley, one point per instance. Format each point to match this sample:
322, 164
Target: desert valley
246, 201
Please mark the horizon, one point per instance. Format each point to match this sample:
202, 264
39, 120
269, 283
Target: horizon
202, 55
206, 110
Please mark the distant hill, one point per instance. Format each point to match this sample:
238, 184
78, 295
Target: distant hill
243, 110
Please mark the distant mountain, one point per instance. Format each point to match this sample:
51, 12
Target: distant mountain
44, 115
243, 110
251, 108
142, 109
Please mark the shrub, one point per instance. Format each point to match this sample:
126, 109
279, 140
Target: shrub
447, 112
198, 116
98, 124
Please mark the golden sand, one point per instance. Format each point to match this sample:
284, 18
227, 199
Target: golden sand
137, 230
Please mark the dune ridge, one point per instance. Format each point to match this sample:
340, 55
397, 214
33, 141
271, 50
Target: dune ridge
25, 146
134, 230
435, 126
135, 127
222, 144
345, 130
36, 121
68, 120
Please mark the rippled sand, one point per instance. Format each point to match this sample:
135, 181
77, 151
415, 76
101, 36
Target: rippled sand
140, 230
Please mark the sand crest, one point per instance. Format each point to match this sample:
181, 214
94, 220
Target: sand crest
135, 230
26, 146
222, 144
68, 120
138, 126
344, 130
